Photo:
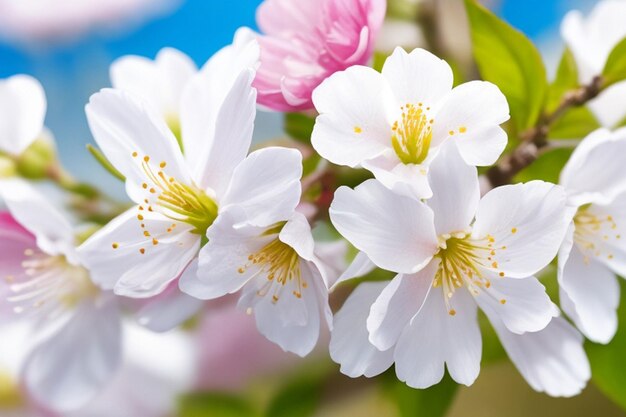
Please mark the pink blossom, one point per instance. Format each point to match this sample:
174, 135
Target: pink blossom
241, 355
304, 42
14, 241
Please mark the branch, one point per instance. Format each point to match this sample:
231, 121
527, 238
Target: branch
536, 138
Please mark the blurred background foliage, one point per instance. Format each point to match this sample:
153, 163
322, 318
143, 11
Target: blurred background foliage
72, 69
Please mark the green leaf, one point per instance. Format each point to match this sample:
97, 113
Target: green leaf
508, 59
493, 351
214, 405
299, 398
431, 402
310, 164
104, 162
299, 126
547, 167
576, 123
615, 67
566, 79
607, 361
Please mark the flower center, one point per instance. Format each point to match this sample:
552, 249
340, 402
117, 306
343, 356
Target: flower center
592, 230
464, 261
10, 396
177, 201
412, 134
280, 264
48, 284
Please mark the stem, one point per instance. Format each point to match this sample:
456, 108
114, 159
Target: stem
536, 138
427, 20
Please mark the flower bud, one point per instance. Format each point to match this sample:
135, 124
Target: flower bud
7, 167
38, 159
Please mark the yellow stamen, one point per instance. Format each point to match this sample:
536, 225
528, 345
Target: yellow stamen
412, 134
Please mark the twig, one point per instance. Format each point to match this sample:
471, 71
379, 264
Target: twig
536, 138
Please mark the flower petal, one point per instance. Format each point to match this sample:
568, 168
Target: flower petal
521, 304
297, 234
552, 360
159, 82
23, 109
456, 196
69, 368
222, 261
334, 258
470, 116
353, 125
287, 17
397, 233
360, 266
54, 233
526, 222
610, 246
410, 180
396, 306
594, 173
266, 186
127, 130
218, 109
417, 77
277, 320
589, 294
137, 261
349, 344
171, 308
451, 339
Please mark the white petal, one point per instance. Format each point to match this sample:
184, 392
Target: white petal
266, 185
610, 246
127, 130
171, 308
159, 82
54, 233
297, 234
223, 262
455, 191
470, 116
360, 266
218, 109
353, 125
410, 180
397, 304
349, 344
22, 112
115, 259
434, 338
397, 233
609, 107
521, 304
591, 39
590, 295
299, 338
417, 77
527, 223
68, 369
334, 258
552, 360
595, 171
588, 61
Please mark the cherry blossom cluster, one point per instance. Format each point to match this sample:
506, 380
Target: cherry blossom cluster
208, 216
